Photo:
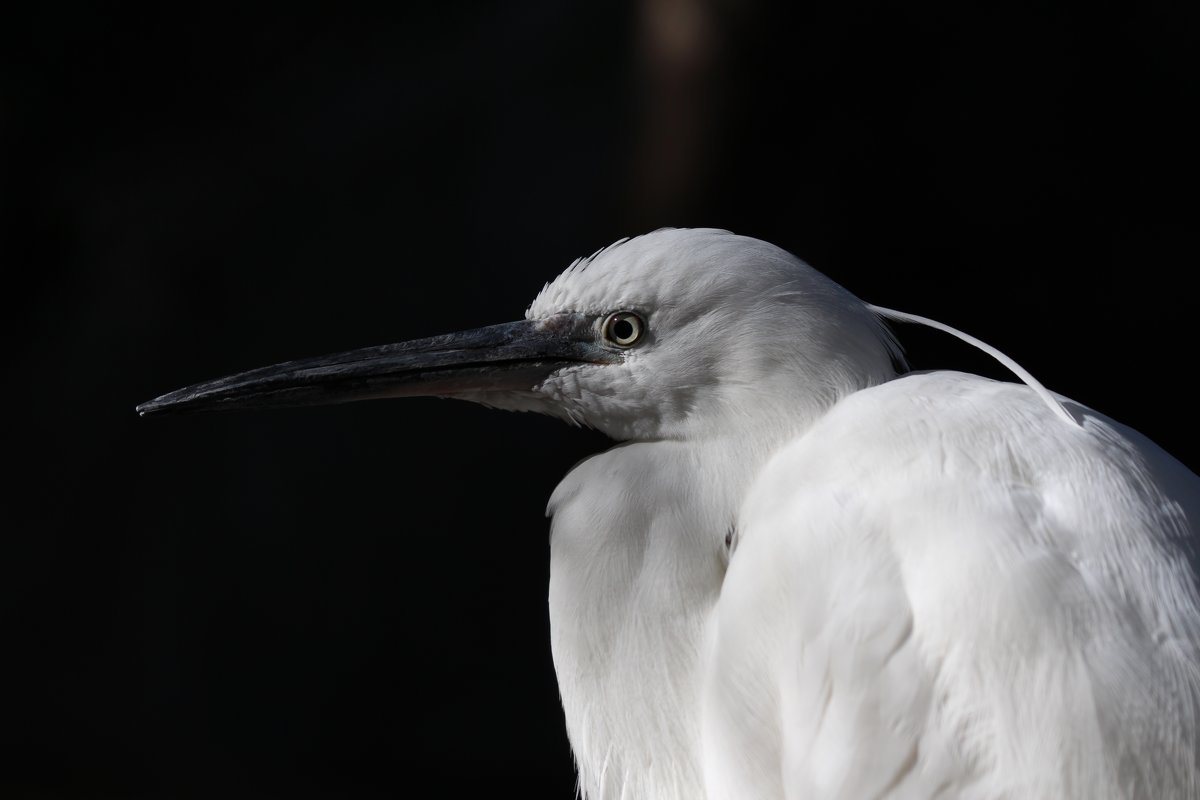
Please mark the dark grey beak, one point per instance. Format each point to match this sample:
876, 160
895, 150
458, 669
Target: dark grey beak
515, 356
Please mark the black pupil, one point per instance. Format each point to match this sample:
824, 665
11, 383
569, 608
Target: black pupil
622, 329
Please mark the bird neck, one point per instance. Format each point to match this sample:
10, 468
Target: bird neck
638, 555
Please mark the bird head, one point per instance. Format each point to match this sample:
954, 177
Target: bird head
673, 334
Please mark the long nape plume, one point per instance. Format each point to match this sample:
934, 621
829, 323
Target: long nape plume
1030, 381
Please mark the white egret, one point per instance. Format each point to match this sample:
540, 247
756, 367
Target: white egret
801, 574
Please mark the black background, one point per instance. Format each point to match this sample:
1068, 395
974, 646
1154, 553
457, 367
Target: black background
350, 601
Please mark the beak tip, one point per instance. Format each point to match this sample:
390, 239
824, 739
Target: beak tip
157, 406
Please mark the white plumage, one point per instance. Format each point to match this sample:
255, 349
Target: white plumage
937, 586
801, 575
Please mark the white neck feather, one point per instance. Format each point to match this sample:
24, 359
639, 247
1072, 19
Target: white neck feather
637, 559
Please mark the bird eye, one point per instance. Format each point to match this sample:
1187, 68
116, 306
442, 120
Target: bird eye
624, 328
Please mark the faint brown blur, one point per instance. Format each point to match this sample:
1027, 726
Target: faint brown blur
684, 50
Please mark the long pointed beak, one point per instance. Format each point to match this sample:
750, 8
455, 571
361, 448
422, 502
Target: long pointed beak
514, 356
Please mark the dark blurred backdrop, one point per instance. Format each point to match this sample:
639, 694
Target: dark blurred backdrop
350, 601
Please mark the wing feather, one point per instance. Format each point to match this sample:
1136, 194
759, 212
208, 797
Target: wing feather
943, 590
